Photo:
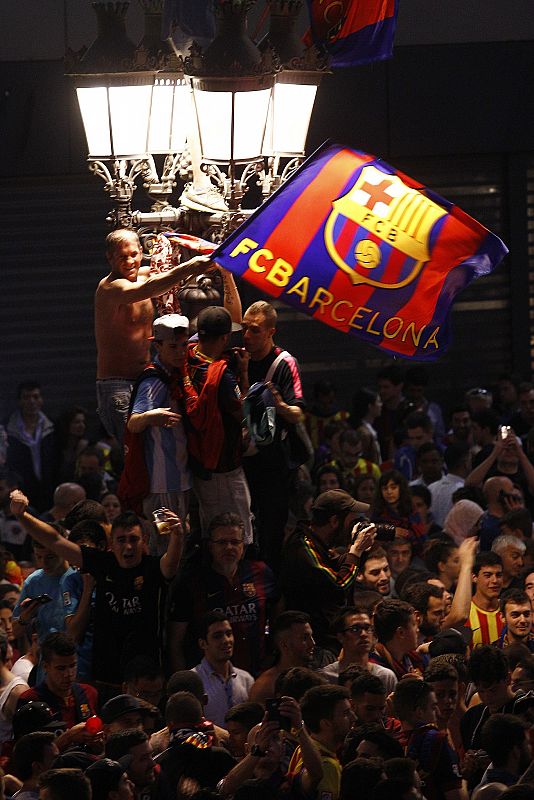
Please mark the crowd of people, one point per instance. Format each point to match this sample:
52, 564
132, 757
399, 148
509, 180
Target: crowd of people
230, 592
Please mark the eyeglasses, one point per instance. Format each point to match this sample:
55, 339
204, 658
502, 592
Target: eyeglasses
477, 392
359, 629
224, 542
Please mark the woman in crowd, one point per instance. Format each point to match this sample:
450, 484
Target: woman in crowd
392, 504
70, 429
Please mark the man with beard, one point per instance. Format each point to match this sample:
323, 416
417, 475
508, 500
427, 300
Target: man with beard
313, 577
374, 573
429, 604
140, 769
356, 636
293, 640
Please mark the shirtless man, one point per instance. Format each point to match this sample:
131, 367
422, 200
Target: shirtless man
123, 322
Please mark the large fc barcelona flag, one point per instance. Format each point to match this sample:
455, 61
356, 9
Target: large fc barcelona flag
359, 246
354, 31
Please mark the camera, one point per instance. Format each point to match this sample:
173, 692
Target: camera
384, 531
272, 707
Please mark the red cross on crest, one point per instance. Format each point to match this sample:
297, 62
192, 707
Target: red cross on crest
377, 193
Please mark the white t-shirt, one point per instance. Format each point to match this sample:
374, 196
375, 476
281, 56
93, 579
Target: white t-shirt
387, 676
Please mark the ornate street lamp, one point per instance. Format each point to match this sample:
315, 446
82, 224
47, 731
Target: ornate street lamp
234, 105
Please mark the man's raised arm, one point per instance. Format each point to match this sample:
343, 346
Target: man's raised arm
42, 532
132, 292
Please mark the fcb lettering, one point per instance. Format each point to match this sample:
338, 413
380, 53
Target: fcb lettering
334, 310
365, 249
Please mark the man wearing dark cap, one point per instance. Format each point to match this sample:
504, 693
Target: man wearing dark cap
313, 577
124, 713
108, 776
217, 378
155, 433
36, 716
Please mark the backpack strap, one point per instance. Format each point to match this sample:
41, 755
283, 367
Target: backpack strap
150, 371
270, 372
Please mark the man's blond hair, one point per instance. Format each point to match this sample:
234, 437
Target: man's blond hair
266, 309
117, 237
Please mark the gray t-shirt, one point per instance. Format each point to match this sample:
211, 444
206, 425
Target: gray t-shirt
387, 676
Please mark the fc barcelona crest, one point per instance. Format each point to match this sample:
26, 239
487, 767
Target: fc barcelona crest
378, 233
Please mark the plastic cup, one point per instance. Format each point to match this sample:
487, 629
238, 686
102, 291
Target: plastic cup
161, 520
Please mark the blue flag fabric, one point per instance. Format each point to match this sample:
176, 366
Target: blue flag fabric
359, 246
195, 18
354, 31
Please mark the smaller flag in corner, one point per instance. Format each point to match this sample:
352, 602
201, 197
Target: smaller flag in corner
354, 31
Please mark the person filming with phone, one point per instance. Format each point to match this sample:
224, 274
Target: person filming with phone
507, 480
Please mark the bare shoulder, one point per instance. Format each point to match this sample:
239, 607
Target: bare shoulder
112, 288
263, 686
104, 286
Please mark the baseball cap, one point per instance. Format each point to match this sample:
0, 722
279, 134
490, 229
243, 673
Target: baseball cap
35, 716
215, 321
452, 640
76, 759
165, 329
124, 704
105, 775
336, 501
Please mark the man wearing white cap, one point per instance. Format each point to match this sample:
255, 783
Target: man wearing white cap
156, 422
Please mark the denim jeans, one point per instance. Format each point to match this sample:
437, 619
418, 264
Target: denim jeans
113, 398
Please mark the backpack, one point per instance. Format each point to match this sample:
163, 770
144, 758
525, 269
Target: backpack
134, 484
260, 411
260, 419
